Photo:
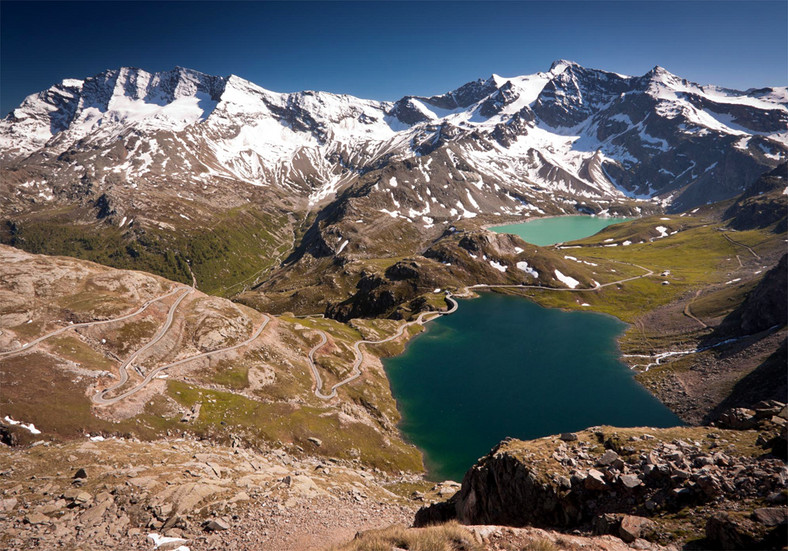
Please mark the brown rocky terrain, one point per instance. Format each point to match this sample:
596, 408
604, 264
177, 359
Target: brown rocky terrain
120, 494
259, 394
704, 488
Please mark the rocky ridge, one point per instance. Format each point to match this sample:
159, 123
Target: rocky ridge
634, 483
590, 132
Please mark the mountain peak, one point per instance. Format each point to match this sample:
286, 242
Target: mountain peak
661, 74
497, 80
560, 65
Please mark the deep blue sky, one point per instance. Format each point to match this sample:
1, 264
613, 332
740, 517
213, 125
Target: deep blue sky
384, 50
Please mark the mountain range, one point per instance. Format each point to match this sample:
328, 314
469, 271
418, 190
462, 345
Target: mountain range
574, 130
148, 160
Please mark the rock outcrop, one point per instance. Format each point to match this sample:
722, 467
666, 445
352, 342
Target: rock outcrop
766, 306
625, 482
763, 204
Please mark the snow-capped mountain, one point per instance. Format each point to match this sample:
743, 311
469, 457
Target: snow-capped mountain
500, 145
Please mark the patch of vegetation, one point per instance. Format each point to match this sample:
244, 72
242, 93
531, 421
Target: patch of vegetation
444, 537
93, 301
36, 390
540, 544
719, 303
233, 249
231, 374
697, 256
29, 330
292, 425
71, 348
407, 489
132, 334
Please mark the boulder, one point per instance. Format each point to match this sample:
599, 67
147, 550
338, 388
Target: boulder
183, 498
216, 525
595, 480
94, 515
77, 497
633, 527
568, 437
607, 458
7, 504
738, 419
709, 485
36, 518
607, 523
630, 481
734, 531
771, 516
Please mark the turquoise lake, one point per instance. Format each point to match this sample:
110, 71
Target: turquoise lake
504, 366
560, 229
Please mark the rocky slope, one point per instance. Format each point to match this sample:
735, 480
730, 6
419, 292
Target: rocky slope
259, 394
125, 494
670, 486
765, 203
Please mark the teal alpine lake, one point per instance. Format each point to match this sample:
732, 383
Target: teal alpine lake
559, 229
504, 366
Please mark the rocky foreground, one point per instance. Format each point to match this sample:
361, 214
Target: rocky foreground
600, 489
702, 487
179, 494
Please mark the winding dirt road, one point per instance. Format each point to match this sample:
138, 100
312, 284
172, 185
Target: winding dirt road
123, 369
753, 253
99, 399
688, 310
356, 371
37, 341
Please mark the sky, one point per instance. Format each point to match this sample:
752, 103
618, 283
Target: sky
385, 50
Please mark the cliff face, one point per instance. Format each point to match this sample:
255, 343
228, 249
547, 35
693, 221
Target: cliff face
608, 480
763, 204
766, 305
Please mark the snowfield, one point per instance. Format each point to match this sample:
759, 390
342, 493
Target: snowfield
570, 130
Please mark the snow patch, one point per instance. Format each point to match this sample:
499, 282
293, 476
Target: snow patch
159, 540
500, 267
566, 280
30, 427
523, 265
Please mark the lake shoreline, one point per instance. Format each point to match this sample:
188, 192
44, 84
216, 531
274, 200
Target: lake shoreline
549, 217
554, 230
425, 394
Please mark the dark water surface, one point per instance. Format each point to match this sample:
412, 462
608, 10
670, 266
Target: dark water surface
504, 366
560, 229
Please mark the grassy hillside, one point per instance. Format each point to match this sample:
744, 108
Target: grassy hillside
226, 253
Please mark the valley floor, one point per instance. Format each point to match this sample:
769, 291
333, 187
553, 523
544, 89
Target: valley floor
255, 439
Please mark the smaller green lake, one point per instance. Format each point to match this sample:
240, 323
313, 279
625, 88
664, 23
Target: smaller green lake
504, 366
559, 229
